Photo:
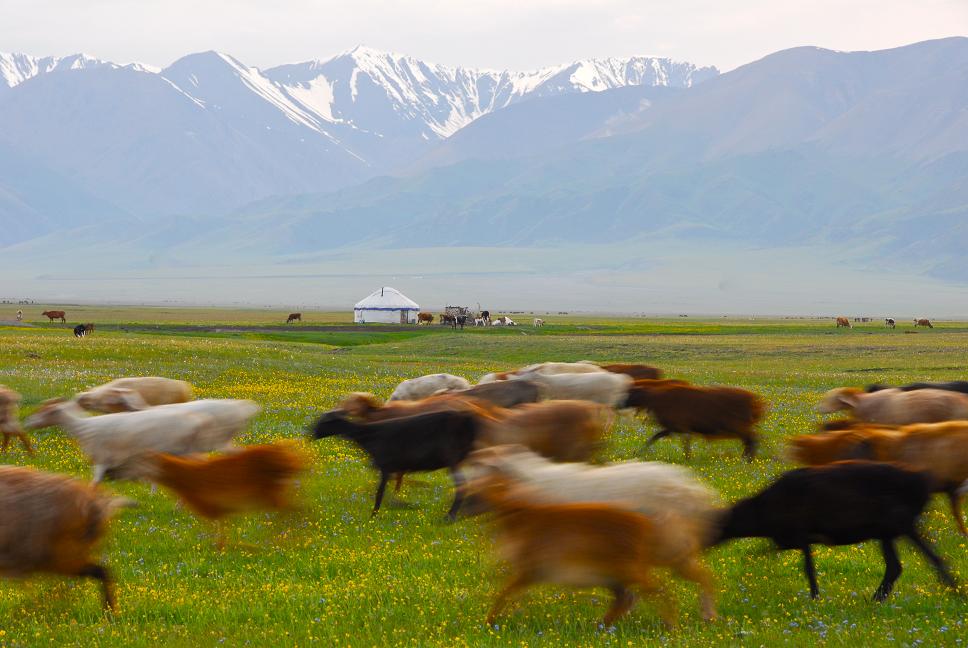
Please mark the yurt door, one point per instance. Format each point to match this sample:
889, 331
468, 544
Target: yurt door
403, 317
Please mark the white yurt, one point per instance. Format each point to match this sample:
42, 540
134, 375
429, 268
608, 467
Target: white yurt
386, 306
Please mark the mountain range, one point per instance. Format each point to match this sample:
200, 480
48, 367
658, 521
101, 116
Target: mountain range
209, 133
854, 158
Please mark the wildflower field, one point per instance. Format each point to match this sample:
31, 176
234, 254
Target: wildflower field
332, 576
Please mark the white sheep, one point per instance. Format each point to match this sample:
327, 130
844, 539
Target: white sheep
605, 387
152, 389
897, 407
113, 441
553, 368
424, 386
664, 492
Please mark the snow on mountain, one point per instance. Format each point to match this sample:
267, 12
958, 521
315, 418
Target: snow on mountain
16, 68
391, 94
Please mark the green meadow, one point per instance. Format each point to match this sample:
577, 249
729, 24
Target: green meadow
332, 576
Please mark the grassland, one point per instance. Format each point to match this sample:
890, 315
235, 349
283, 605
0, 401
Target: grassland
335, 577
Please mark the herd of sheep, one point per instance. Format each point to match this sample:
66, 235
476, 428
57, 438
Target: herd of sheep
515, 446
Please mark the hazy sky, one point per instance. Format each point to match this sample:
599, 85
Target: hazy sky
517, 34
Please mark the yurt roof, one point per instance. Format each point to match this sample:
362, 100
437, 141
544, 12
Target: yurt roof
386, 298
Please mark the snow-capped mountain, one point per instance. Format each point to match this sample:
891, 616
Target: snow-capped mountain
391, 94
209, 133
17, 68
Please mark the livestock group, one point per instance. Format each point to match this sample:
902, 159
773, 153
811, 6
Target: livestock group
522, 445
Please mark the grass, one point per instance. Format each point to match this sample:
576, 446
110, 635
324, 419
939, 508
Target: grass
335, 577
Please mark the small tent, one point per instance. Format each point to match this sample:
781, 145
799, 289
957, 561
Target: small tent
386, 306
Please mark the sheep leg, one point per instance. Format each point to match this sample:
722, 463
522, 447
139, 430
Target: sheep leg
955, 501
99, 471
661, 434
458, 493
810, 570
892, 571
621, 604
516, 584
934, 558
384, 478
749, 449
101, 573
399, 484
665, 600
25, 442
693, 569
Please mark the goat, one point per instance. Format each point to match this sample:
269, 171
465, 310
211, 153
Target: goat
896, 407
420, 443
843, 503
10, 420
583, 545
711, 412
51, 524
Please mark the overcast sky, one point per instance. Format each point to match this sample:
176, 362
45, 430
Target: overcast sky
515, 34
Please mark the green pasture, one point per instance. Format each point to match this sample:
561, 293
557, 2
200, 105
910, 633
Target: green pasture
332, 576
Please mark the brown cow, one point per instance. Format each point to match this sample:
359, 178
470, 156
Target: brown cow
922, 321
55, 315
425, 318
294, 317
843, 321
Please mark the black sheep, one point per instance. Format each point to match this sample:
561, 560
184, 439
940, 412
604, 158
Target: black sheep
839, 504
960, 386
420, 443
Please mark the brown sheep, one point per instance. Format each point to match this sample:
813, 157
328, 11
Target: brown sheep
10, 420
637, 371
895, 406
256, 477
559, 430
52, 524
585, 545
712, 412
938, 448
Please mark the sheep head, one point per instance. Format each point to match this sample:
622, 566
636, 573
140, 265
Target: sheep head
835, 400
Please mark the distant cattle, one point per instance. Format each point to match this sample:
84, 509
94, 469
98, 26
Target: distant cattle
294, 317
83, 329
537, 322
55, 315
922, 321
446, 318
843, 321
486, 316
479, 321
425, 318
889, 322
504, 321
20, 315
